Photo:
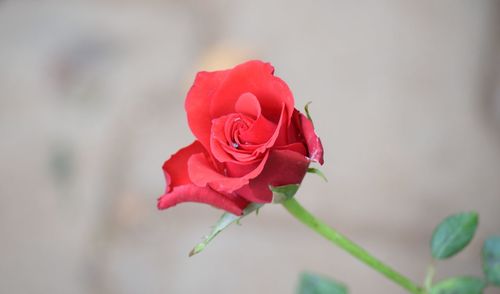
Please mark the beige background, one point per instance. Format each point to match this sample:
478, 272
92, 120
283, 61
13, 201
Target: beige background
406, 99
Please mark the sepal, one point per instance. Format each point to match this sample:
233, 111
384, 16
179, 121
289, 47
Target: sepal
224, 221
283, 193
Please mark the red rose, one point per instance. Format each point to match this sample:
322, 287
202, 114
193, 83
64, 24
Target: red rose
248, 136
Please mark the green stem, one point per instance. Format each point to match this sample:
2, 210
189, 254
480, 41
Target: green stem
343, 242
429, 277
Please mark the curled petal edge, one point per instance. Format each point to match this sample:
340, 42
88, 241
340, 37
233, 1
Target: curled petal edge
181, 189
192, 193
313, 142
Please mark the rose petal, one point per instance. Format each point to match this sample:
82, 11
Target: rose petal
175, 168
192, 193
220, 146
261, 129
284, 167
297, 147
180, 189
257, 78
228, 149
198, 102
202, 173
292, 133
260, 132
281, 125
313, 142
248, 104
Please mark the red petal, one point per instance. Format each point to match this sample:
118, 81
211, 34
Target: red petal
260, 132
181, 189
202, 173
192, 193
257, 78
284, 167
175, 168
220, 142
297, 147
218, 138
248, 148
262, 129
272, 140
312, 140
238, 169
248, 104
198, 102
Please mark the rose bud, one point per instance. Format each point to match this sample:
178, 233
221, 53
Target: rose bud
249, 136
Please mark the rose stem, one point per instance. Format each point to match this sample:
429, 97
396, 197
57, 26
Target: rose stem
343, 242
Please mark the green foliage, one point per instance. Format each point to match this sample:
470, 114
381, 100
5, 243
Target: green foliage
459, 285
491, 260
225, 220
280, 194
283, 193
315, 284
453, 234
318, 172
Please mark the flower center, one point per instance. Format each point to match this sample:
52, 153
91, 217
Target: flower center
234, 127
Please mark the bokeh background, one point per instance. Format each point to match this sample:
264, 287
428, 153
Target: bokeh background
406, 98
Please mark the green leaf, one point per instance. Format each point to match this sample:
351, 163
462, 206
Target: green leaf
283, 193
453, 234
306, 109
318, 172
315, 284
459, 285
225, 220
491, 260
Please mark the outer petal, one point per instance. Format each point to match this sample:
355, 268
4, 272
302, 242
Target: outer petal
175, 168
198, 102
192, 193
298, 147
313, 142
181, 189
257, 78
284, 167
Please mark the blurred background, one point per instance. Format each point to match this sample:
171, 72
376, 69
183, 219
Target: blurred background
406, 98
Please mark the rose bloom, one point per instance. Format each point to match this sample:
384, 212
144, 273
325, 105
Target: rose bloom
249, 136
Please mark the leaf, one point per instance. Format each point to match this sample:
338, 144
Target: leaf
491, 260
453, 234
315, 284
283, 193
314, 170
225, 220
459, 285
306, 109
